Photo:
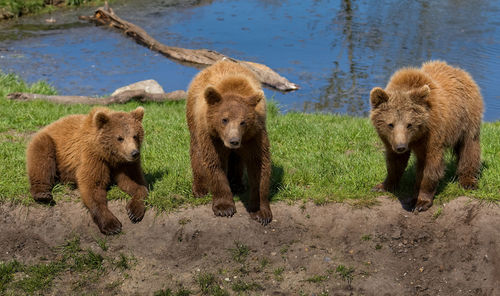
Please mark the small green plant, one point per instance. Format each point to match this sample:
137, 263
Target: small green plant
184, 221
378, 246
168, 292
123, 262
366, 237
102, 243
241, 286
209, 285
264, 262
437, 213
346, 274
278, 273
240, 252
87, 261
317, 279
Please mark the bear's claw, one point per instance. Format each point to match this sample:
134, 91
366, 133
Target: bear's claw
263, 216
423, 204
44, 197
112, 226
135, 210
224, 210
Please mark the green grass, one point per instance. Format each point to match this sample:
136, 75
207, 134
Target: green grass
84, 264
209, 285
240, 252
317, 279
16, 8
318, 157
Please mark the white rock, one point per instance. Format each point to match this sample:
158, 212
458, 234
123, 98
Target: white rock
149, 86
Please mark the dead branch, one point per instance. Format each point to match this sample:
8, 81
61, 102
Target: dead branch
192, 57
126, 96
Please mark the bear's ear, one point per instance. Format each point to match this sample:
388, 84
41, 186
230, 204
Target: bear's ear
100, 119
420, 94
254, 100
212, 96
377, 97
138, 113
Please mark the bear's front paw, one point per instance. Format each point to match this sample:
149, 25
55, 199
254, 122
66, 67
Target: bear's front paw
379, 188
135, 210
264, 216
423, 203
110, 225
224, 208
469, 183
44, 197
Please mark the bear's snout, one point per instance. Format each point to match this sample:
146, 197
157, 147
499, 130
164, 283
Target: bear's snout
401, 148
235, 142
135, 154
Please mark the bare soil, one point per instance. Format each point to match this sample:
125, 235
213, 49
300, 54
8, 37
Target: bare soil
392, 252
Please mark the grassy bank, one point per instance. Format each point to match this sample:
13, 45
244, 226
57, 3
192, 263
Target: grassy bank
315, 156
16, 8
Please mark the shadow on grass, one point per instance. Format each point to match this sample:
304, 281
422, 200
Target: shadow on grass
153, 177
276, 183
406, 193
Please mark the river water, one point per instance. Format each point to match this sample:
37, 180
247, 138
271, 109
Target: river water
335, 50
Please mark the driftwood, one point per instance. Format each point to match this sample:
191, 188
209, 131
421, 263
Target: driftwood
130, 95
194, 57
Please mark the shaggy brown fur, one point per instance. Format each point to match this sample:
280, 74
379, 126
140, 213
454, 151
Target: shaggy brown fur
226, 115
427, 110
92, 151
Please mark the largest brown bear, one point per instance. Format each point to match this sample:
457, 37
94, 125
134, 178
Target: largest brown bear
226, 116
427, 110
92, 151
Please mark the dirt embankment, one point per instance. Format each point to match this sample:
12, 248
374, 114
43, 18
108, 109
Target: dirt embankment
334, 249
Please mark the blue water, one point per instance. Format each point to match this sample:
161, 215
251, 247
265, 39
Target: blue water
335, 50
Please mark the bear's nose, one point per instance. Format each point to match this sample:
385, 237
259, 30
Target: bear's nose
135, 153
234, 141
401, 148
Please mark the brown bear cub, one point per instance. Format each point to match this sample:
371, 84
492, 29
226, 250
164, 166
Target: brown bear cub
425, 111
92, 151
226, 116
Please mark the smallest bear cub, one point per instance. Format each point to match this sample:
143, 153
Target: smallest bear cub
426, 110
226, 116
92, 151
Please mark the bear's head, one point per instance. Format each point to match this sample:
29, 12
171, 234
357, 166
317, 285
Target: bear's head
400, 117
119, 135
233, 117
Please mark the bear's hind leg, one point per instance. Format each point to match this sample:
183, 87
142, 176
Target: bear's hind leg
235, 173
469, 162
199, 187
41, 167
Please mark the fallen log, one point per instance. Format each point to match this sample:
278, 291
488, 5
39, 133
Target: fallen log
126, 96
193, 57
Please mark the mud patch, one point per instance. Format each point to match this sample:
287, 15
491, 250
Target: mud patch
335, 249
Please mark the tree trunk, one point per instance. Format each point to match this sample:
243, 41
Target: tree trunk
130, 95
192, 57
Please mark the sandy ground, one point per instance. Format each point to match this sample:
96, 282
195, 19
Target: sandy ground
392, 251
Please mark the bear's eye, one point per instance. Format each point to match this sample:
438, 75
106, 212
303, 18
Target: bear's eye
390, 125
409, 126
136, 137
120, 139
243, 123
224, 120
